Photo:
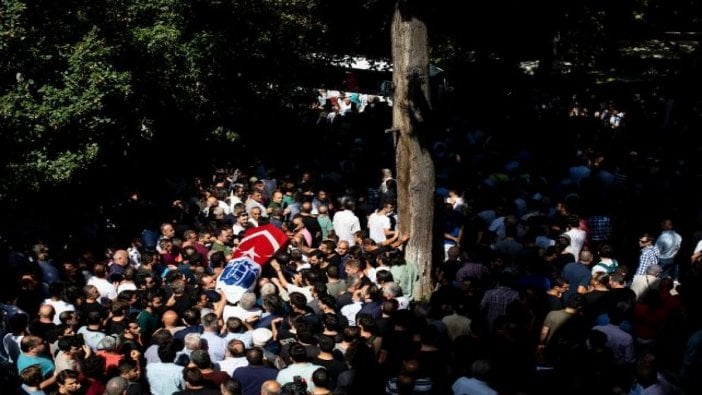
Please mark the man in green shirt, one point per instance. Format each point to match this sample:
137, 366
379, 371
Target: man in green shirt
149, 317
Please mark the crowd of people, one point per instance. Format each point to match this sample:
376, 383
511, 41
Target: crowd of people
546, 279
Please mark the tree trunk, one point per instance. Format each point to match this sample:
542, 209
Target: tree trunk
415, 168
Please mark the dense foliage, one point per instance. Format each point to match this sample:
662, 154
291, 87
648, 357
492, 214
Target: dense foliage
85, 83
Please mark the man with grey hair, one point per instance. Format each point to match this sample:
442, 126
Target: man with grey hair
120, 261
116, 386
192, 342
268, 288
392, 290
210, 334
245, 310
223, 218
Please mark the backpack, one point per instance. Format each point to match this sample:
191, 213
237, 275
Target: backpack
609, 269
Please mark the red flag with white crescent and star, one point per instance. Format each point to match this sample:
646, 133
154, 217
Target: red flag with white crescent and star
261, 243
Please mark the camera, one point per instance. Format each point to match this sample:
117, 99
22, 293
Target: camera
296, 387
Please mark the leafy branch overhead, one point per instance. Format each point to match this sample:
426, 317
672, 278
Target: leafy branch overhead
85, 83
52, 124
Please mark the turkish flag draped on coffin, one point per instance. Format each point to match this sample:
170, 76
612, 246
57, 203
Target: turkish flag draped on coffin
255, 250
261, 243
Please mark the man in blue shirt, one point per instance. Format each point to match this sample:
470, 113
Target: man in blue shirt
33, 348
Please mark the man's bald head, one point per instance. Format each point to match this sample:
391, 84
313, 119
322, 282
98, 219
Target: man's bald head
170, 317
270, 387
116, 386
121, 257
167, 230
46, 311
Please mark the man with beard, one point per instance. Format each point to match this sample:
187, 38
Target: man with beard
148, 319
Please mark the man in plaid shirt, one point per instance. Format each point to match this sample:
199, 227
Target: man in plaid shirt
649, 254
495, 301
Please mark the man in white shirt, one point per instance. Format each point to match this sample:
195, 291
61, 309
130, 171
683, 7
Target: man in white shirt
346, 223
256, 200
57, 302
103, 285
379, 224
242, 223
577, 235
236, 357
350, 310
213, 202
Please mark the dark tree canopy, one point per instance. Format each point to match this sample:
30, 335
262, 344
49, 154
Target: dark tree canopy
104, 90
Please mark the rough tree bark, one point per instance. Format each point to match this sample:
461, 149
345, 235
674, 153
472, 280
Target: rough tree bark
415, 167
